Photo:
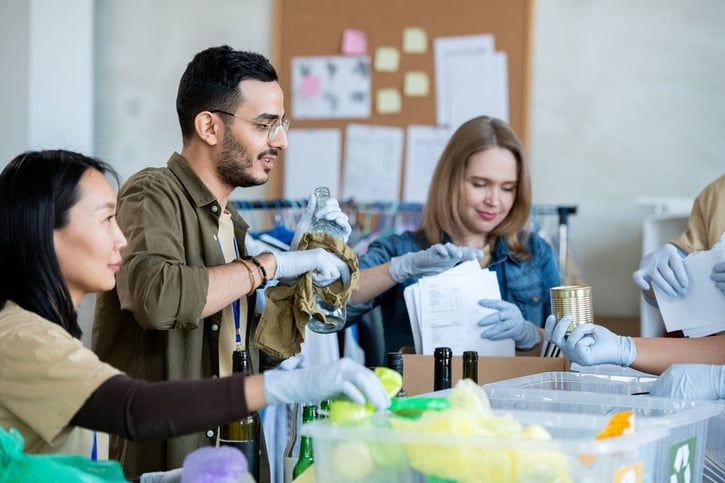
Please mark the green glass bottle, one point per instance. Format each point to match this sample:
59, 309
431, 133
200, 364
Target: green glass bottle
324, 412
243, 433
306, 458
470, 365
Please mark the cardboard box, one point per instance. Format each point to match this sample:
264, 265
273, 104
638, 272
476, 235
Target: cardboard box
418, 369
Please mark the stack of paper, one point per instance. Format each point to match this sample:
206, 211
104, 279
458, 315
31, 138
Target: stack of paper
702, 311
444, 311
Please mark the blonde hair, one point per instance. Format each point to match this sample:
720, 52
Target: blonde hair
441, 213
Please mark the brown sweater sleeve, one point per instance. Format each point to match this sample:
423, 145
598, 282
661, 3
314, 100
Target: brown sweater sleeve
141, 411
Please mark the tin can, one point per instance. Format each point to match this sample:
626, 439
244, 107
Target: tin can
574, 300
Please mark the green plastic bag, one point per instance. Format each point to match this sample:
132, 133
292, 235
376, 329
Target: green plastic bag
16, 466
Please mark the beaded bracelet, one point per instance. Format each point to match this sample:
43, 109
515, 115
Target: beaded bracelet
252, 279
261, 268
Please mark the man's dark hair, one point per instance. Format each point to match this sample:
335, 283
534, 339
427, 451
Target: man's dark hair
211, 81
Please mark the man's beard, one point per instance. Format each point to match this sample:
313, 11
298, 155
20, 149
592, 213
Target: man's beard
234, 164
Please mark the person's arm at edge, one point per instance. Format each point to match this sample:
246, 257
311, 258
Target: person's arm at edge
373, 281
656, 354
139, 410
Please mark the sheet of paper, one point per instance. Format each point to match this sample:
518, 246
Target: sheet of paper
373, 161
423, 147
312, 159
416, 84
387, 59
471, 79
354, 42
447, 311
388, 101
331, 87
702, 311
415, 40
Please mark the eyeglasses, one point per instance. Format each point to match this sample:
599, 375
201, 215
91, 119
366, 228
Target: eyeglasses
271, 128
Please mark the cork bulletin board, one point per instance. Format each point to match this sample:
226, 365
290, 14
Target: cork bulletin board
315, 28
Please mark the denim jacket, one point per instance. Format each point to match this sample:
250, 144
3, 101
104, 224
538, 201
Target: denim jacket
525, 283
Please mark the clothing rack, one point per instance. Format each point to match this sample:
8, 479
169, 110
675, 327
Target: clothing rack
559, 240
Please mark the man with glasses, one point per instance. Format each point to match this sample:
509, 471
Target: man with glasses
184, 301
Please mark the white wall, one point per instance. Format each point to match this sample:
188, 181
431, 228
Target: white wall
627, 100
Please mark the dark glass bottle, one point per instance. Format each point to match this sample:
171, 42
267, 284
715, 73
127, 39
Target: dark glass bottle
243, 434
470, 365
394, 361
335, 317
324, 412
442, 368
306, 458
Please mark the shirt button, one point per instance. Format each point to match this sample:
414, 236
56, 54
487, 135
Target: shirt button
214, 208
210, 433
535, 298
214, 327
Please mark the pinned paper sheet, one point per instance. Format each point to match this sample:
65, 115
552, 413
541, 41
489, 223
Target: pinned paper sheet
354, 42
415, 40
416, 84
700, 312
388, 101
387, 59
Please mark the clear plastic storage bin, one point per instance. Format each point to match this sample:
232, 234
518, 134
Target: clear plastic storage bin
682, 456
375, 453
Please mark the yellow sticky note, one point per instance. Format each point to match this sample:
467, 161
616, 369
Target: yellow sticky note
415, 84
415, 40
388, 101
387, 59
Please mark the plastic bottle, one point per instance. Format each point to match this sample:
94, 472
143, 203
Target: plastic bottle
243, 434
394, 361
306, 458
442, 368
335, 316
470, 365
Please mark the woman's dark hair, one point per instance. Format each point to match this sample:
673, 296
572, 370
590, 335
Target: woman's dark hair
37, 191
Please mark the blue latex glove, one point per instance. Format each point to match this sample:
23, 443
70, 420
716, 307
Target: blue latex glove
431, 261
718, 276
507, 323
590, 344
665, 269
691, 381
325, 266
343, 377
331, 211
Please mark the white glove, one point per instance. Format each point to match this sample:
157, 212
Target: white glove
508, 323
718, 276
331, 212
431, 261
343, 377
691, 381
325, 267
665, 269
590, 344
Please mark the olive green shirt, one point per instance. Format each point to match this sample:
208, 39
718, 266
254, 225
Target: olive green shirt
150, 325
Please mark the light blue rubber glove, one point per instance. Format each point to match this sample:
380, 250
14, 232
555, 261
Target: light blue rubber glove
343, 377
718, 276
331, 212
590, 344
665, 269
325, 266
507, 323
691, 381
436, 259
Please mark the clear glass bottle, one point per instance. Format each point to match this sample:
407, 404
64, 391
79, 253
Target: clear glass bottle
470, 365
442, 368
335, 316
306, 458
394, 361
243, 434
